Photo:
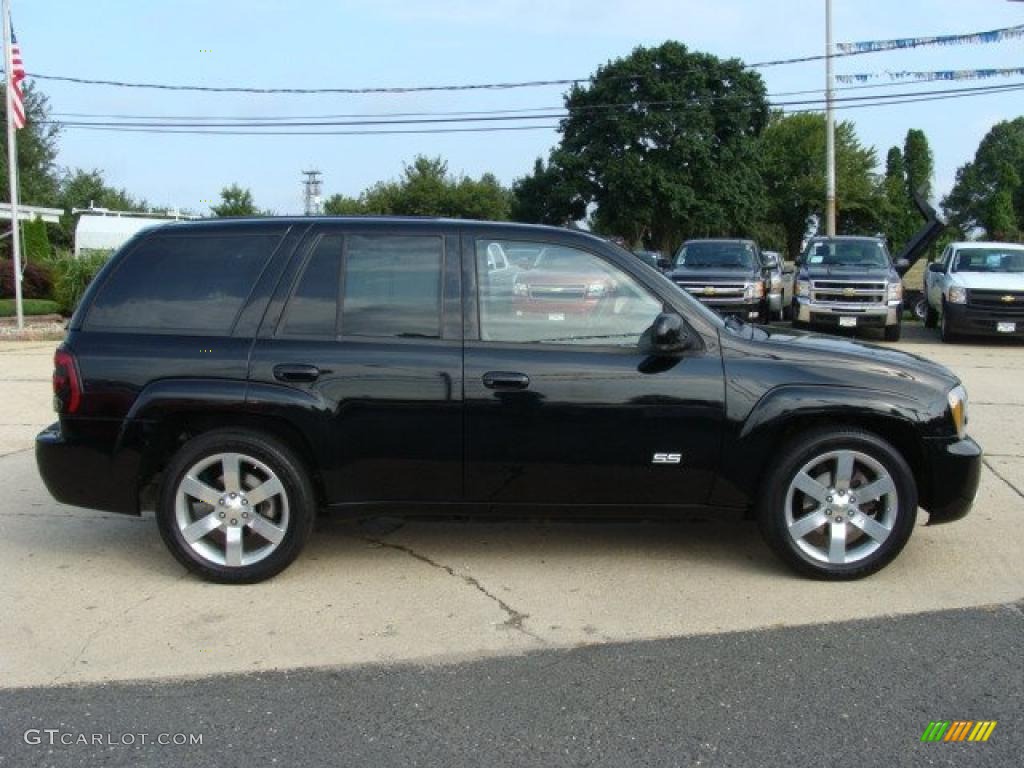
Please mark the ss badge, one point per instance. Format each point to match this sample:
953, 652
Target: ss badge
668, 458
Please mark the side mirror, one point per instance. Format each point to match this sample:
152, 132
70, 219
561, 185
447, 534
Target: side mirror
902, 266
938, 267
667, 335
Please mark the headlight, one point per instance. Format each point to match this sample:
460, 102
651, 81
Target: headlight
957, 295
894, 292
957, 398
754, 291
803, 288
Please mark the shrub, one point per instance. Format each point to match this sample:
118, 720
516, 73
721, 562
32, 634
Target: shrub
29, 306
73, 275
36, 281
37, 241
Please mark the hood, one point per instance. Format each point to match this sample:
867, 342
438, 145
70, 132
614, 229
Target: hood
869, 358
832, 272
995, 281
710, 276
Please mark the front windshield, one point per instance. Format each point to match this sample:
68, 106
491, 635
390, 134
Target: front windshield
847, 253
714, 254
989, 260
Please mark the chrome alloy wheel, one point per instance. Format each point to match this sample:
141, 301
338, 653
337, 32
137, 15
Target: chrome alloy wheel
231, 509
841, 507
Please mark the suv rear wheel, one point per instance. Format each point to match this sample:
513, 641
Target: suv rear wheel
839, 504
236, 506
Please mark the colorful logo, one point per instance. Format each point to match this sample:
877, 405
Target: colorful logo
958, 730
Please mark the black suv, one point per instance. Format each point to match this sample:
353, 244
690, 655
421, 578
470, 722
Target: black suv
239, 376
730, 276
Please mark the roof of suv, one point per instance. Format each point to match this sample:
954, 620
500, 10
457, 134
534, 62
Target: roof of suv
987, 244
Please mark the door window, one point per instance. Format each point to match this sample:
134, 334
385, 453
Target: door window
560, 295
392, 286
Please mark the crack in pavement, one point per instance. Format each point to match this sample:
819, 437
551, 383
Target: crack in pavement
998, 474
107, 624
516, 619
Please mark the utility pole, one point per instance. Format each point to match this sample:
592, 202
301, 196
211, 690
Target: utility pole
314, 204
12, 165
830, 128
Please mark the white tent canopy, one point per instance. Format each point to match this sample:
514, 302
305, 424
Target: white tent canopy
101, 232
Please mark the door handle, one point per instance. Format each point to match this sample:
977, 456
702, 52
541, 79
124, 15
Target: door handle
296, 372
506, 380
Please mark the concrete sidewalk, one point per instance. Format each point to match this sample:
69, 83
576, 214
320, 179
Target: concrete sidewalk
92, 597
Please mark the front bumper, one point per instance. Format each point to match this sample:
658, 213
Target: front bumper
952, 472
868, 316
963, 318
744, 310
80, 474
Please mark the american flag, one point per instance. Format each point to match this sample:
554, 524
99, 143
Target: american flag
17, 75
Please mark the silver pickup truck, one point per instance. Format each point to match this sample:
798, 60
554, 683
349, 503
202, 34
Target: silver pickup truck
976, 289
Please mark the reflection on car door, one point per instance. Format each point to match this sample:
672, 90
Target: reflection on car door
371, 333
562, 407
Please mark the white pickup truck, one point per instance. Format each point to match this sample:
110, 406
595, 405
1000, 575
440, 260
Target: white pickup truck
976, 289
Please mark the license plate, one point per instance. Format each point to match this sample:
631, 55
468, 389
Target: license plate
556, 316
847, 322
1006, 327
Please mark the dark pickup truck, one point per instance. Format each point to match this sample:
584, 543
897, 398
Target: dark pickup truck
730, 276
239, 376
849, 282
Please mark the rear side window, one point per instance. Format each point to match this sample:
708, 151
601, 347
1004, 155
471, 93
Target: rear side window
189, 284
392, 286
313, 308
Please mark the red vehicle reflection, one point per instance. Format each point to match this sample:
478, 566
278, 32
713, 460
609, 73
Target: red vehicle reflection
561, 282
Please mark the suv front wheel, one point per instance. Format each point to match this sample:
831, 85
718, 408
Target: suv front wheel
839, 504
236, 506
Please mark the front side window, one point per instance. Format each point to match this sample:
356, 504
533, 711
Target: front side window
189, 284
561, 296
392, 286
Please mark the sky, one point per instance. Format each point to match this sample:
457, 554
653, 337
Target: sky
361, 43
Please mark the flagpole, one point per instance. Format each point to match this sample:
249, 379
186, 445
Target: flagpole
12, 164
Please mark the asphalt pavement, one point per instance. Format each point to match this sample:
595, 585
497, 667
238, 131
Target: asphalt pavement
854, 693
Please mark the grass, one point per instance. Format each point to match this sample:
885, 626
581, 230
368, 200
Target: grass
31, 307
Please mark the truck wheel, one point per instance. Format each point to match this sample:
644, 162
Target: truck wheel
236, 506
931, 317
839, 504
946, 332
893, 332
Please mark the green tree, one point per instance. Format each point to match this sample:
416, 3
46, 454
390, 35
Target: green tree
680, 159
547, 196
897, 219
989, 191
84, 189
235, 201
37, 151
793, 156
920, 164
37, 241
426, 188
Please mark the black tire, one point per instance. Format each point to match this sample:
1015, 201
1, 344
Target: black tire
893, 332
946, 332
804, 448
931, 317
298, 494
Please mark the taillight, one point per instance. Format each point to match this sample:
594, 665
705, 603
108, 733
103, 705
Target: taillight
67, 389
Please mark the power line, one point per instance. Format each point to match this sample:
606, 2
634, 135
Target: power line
863, 103
854, 49
457, 113
493, 118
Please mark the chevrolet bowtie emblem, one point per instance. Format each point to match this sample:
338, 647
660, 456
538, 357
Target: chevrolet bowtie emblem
849, 292
1008, 299
709, 290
